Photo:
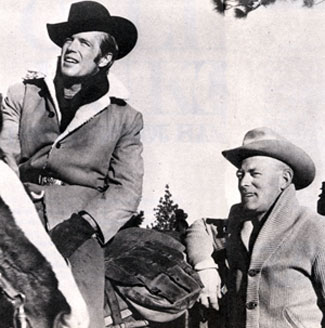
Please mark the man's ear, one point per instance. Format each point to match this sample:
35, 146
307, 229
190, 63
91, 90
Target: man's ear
286, 178
105, 60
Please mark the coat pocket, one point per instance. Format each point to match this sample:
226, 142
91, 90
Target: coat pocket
291, 319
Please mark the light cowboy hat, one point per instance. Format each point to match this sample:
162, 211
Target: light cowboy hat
86, 16
265, 142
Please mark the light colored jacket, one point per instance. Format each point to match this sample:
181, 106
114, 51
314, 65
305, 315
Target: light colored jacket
98, 156
281, 283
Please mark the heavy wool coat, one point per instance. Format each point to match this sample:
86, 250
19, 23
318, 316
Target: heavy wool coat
98, 156
281, 281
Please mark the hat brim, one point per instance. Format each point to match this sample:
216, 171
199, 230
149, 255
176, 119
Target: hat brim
124, 32
302, 165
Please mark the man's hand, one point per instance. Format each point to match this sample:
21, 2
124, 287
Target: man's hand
212, 288
70, 234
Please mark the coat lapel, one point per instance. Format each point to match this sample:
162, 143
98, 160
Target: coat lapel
48, 76
86, 112
276, 227
237, 252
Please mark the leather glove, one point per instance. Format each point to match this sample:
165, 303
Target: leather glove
212, 288
70, 234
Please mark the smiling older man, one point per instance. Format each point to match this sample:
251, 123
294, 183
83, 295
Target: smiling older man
274, 247
75, 143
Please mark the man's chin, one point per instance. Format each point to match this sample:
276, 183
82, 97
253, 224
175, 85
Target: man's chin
69, 70
72, 77
250, 208
68, 73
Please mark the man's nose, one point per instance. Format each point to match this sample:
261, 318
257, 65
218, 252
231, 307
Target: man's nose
245, 180
73, 46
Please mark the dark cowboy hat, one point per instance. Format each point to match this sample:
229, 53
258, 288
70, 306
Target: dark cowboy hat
86, 16
265, 142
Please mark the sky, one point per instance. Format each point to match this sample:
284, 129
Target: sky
201, 81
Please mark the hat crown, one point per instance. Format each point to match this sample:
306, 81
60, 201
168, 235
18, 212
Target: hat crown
265, 142
260, 134
88, 16
87, 10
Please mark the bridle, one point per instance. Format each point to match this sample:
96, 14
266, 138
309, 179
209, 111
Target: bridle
17, 300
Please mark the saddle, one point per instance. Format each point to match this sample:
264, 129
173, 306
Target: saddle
148, 272
147, 280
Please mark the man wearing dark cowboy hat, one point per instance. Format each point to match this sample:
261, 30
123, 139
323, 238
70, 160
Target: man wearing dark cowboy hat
75, 142
274, 247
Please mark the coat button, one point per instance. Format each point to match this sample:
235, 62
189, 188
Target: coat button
58, 145
251, 305
51, 114
253, 272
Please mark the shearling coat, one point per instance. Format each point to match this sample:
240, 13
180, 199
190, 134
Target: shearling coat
281, 282
98, 156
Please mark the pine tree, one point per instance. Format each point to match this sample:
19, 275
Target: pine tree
135, 221
165, 212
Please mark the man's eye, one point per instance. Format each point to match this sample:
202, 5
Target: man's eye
255, 174
239, 175
67, 40
86, 43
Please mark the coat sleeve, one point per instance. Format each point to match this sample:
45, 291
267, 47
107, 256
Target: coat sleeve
11, 112
200, 246
114, 207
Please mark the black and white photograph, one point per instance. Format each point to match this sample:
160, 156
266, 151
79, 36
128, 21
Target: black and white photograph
162, 164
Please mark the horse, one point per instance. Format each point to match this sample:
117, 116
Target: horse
37, 288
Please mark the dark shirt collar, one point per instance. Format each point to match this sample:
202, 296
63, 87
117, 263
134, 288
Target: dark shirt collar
91, 89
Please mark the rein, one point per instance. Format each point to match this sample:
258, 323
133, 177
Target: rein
17, 299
